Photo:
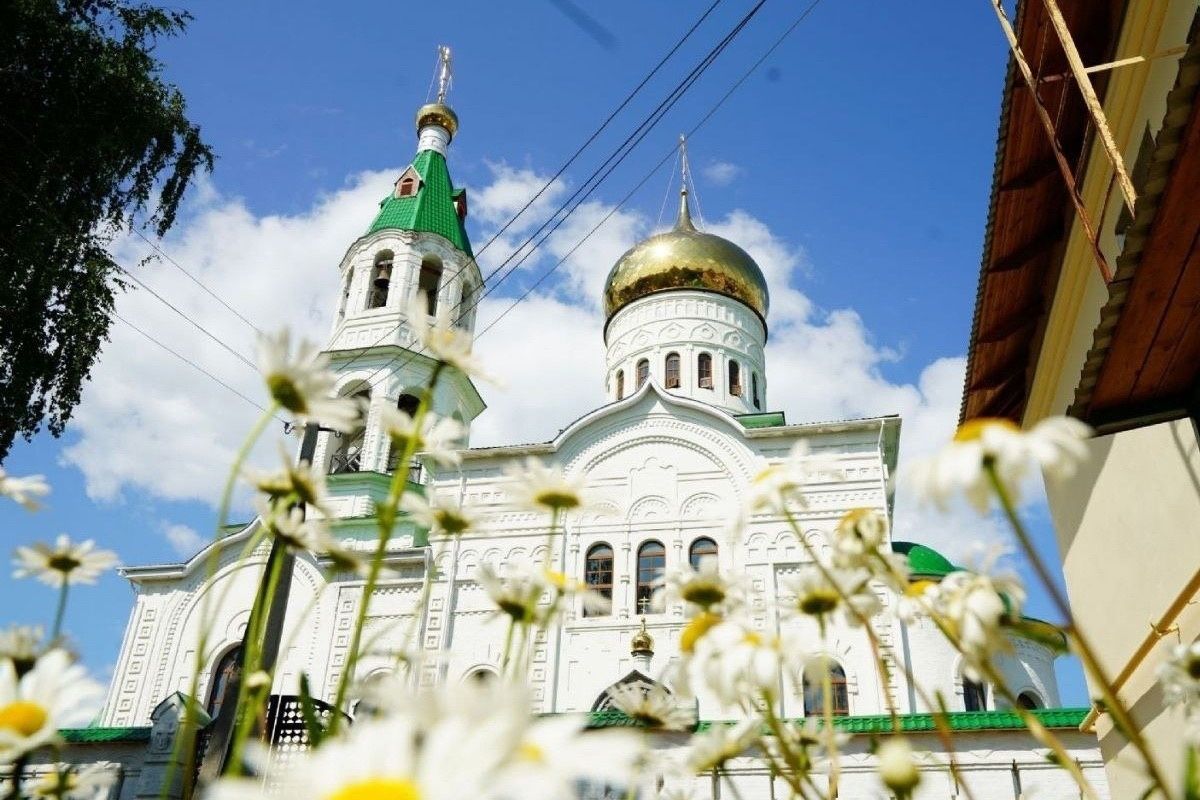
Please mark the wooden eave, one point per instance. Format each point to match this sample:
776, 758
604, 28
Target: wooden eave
1030, 213
1144, 363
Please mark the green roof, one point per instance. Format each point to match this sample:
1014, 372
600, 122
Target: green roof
431, 209
924, 562
882, 723
98, 735
766, 419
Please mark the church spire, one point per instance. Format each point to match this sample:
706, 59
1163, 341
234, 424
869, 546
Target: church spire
436, 122
684, 221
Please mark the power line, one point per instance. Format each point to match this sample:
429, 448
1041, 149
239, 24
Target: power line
157, 248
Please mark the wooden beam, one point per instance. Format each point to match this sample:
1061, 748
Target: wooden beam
1031, 175
1120, 62
1035, 247
1064, 166
1092, 102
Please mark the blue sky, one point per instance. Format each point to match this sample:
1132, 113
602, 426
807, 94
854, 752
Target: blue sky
855, 165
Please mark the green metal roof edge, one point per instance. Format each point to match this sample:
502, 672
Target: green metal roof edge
96, 735
882, 723
923, 560
762, 419
431, 210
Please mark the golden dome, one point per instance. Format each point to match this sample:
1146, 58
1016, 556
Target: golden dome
685, 258
642, 641
437, 114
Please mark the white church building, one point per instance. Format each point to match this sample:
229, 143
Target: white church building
683, 420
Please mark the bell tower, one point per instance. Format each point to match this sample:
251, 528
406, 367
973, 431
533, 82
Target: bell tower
417, 242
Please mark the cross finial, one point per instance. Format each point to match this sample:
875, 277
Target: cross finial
684, 221
683, 164
444, 72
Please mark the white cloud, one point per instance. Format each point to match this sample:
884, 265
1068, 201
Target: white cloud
185, 540
151, 423
721, 173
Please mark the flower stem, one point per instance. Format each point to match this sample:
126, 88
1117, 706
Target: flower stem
1087, 654
61, 610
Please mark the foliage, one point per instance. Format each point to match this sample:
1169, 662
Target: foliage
91, 139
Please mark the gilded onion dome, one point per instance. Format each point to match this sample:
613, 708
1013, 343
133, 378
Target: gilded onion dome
437, 114
685, 258
642, 641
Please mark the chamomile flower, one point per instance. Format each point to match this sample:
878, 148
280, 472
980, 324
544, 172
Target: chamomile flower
1056, 444
898, 766
845, 593
721, 742
441, 339
54, 694
541, 488
21, 644
25, 491
703, 587
294, 482
439, 439
555, 753
63, 562
301, 383
68, 782
291, 525
518, 592
738, 663
440, 517
652, 706
977, 606
858, 538
1180, 676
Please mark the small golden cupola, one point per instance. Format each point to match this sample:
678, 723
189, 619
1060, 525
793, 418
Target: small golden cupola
642, 642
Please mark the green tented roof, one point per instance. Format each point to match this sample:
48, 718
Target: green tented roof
431, 209
98, 735
924, 562
766, 419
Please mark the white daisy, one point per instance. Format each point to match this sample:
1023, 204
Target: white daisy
897, 766
71, 782
845, 593
441, 339
704, 587
652, 706
1180, 676
555, 753
1056, 445
858, 538
298, 482
63, 562
737, 663
440, 438
977, 606
54, 694
517, 592
21, 644
541, 488
712, 748
302, 383
25, 491
440, 517
291, 525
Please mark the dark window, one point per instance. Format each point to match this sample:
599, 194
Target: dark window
974, 695
754, 389
735, 379
1029, 701
408, 403
598, 574
704, 371
814, 688
701, 548
381, 278
620, 383
347, 447
225, 677
408, 187
672, 371
643, 372
651, 560
430, 282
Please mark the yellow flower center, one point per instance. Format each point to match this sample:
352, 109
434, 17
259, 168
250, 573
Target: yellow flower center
694, 630
286, 393
753, 639
25, 717
61, 562
452, 522
558, 580
528, 751
555, 499
972, 430
378, 789
703, 593
820, 601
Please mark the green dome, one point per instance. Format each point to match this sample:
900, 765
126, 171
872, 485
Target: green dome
924, 562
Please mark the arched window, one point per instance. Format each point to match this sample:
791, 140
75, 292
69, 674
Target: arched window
1029, 701
598, 574
704, 371
651, 560
408, 187
754, 390
408, 403
974, 695
735, 378
620, 383
702, 548
347, 447
429, 282
225, 677
814, 688
482, 676
672, 371
381, 278
643, 372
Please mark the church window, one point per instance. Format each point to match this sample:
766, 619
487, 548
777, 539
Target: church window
1029, 701
429, 282
651, 560
598, 575
348, 446
225, 677
735, 378
482, 676
701, 549
704, 371
974, 695
620, 383
381, 279
408, 404
672, 371
754, 390
408, 187
643, 372
814, 688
